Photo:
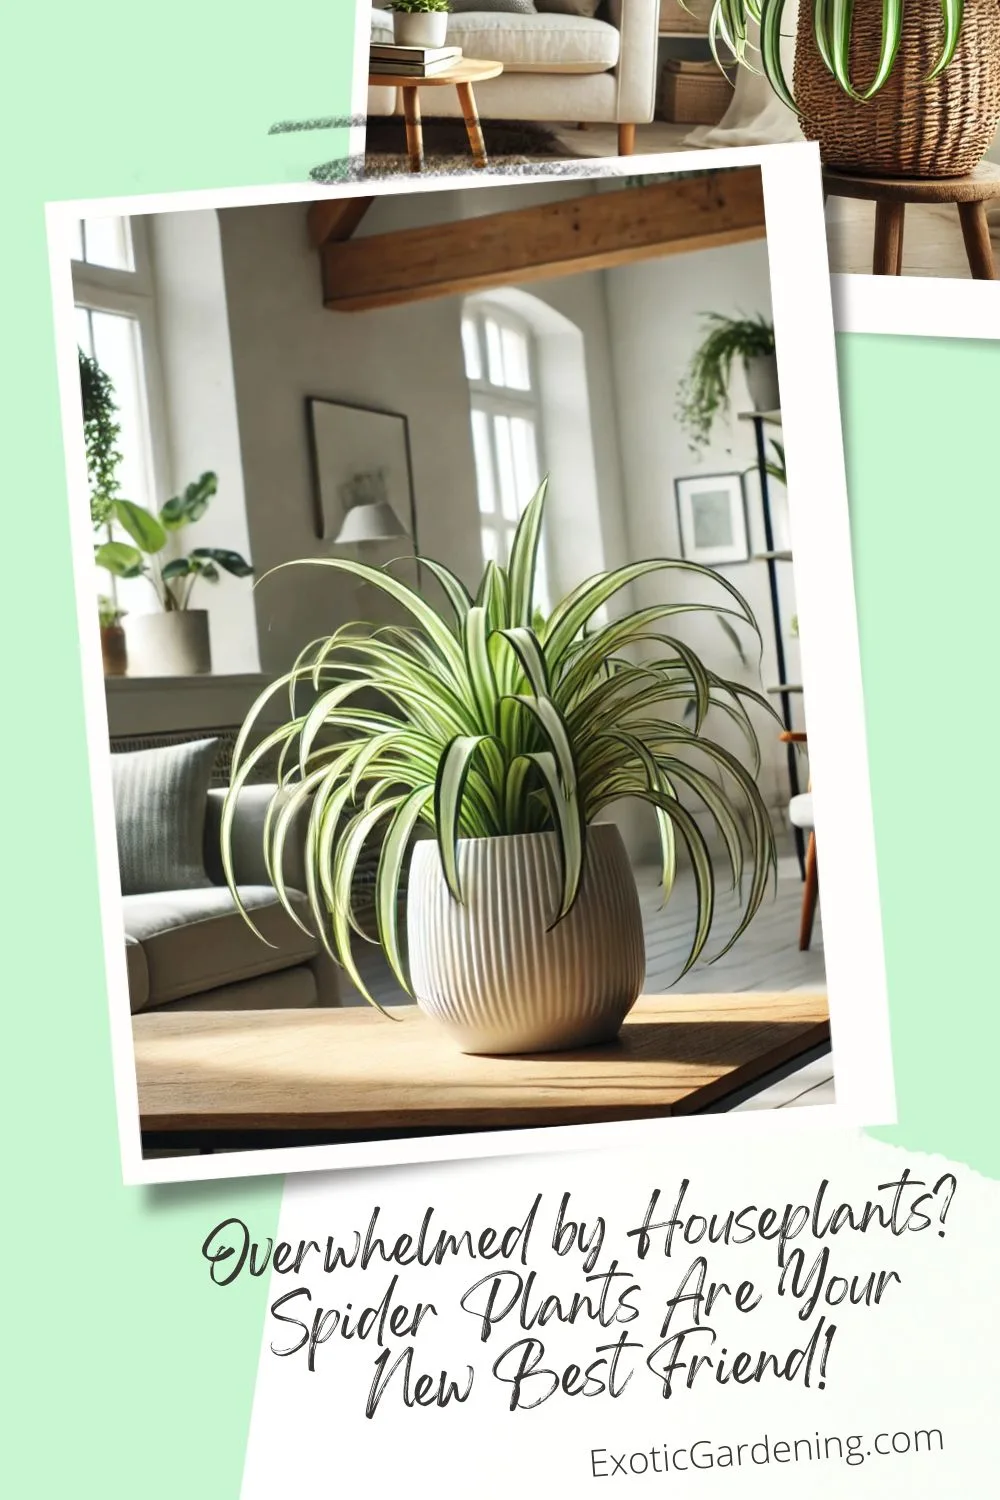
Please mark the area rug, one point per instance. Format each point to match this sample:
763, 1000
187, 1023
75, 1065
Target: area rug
513, 149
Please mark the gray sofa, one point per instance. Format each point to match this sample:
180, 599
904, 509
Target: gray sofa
191, 949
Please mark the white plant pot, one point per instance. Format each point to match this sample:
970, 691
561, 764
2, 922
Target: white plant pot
489, 968
420, 28
762, 382
169, 644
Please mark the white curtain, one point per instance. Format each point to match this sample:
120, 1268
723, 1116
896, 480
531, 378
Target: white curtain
756, 117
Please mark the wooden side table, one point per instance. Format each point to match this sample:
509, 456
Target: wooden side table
461, 78
891, 195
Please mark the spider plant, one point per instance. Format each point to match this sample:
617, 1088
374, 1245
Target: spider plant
493, 720
703, 395
832, 28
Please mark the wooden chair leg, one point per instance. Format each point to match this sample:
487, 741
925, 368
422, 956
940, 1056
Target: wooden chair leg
414, 129
626, 140
888, 257
473, 129
809, 896
978, 247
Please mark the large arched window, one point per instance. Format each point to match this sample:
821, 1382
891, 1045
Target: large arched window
502, 369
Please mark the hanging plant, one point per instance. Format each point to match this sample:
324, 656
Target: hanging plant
703, 395
101, 432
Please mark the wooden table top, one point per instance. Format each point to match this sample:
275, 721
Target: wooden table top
353, 1070
469, 70
982, 183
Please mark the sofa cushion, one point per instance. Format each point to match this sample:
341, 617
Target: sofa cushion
527, 44
138, 974
571, 7
289, 989
197, 940
520, 7
159, 798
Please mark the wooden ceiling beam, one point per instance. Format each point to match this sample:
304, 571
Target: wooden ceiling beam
335, 219
611, 228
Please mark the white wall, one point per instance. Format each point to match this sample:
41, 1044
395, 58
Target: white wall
202, 427
287, 347
655, 318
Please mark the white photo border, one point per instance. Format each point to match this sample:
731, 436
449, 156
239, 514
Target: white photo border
819, 522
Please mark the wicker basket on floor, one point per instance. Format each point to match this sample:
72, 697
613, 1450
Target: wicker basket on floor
910, 128
694, 93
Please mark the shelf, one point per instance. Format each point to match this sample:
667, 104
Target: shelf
773, 418
772, 557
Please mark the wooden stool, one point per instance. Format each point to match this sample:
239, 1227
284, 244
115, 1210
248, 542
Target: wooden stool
466, 72
891, 195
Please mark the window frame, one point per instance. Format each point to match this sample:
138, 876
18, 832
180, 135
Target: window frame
132, 294
502, 400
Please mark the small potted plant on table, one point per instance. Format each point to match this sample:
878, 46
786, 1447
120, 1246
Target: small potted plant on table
498, 741
419, 23
113, 652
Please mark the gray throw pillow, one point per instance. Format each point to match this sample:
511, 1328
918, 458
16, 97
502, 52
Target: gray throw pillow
513, 7
571, 7
160, 798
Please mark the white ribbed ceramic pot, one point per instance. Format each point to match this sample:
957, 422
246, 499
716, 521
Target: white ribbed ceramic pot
489, 969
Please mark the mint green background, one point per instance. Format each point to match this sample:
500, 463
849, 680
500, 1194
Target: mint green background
134, 1375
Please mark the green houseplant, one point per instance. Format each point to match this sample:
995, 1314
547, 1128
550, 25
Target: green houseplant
502, 737
113, 652
101, 432
175, 640
704, 392
905, 87
419, 23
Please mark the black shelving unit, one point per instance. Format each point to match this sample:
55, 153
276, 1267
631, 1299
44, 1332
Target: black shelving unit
785, 691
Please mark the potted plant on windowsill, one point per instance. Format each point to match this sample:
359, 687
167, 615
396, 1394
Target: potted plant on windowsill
503, 737
704, 392
900, 89
173, 642
113, 652
419, 23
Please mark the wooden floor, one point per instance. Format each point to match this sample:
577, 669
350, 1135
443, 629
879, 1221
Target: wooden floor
933, 239
766, 957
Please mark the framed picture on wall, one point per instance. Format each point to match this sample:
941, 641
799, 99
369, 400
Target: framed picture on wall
712, 516
362, 474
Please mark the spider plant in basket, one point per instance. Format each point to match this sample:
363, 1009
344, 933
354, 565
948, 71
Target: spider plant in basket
903, 88
503, 736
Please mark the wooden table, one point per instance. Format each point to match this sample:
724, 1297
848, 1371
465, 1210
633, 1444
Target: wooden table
297, 1076
461, 78
891, 195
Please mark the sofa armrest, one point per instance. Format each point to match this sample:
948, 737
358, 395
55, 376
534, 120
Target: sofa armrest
249, 865
639, 24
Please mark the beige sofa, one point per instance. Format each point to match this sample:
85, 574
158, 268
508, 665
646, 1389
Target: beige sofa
192, 950
557, 68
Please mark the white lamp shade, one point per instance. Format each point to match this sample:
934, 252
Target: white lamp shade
376, 522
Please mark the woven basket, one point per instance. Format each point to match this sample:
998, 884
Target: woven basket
910, 128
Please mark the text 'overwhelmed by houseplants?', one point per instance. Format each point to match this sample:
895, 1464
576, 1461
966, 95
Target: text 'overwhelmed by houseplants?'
561, 1303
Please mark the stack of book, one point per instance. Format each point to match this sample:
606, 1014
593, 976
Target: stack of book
413, 62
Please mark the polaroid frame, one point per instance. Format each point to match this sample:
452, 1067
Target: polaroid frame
804, 331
